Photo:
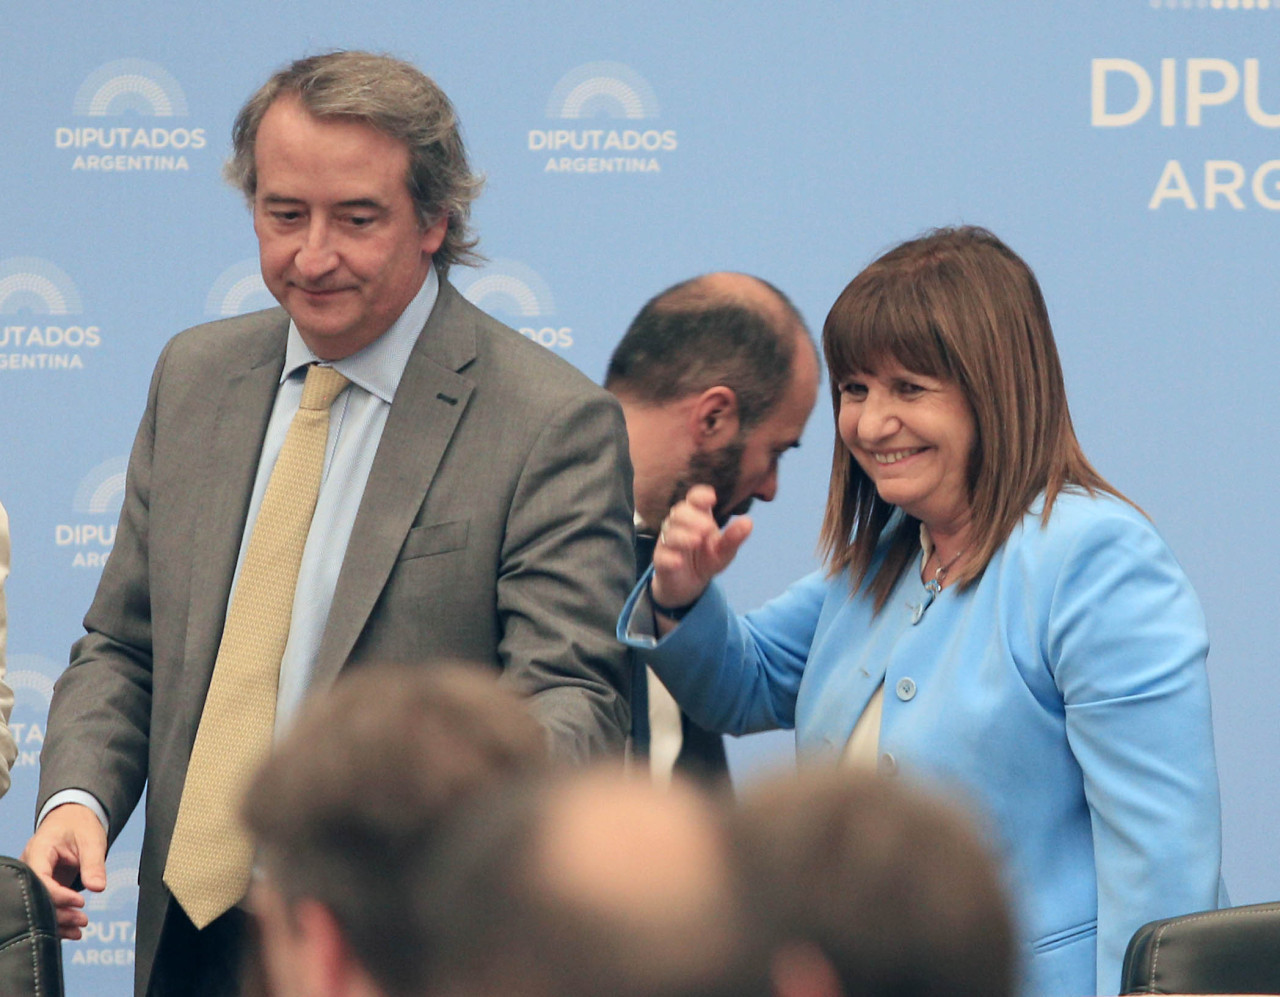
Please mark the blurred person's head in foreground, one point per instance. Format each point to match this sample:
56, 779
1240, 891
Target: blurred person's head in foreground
863, 887
351, 799
590, 883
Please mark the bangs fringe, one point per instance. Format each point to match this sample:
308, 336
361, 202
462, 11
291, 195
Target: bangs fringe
885, 317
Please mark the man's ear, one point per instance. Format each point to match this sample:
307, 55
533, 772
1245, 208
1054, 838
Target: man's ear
714, 418
327, 961
799, 969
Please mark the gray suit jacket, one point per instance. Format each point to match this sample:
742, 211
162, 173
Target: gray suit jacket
495, 526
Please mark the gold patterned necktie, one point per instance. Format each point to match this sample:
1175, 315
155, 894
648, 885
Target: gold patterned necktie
210, 855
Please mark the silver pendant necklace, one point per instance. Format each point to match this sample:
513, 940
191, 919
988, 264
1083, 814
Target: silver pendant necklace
934, 584
932, 587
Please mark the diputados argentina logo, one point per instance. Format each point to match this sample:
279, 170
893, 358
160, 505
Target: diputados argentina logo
132, 103
97, 504
627, 141
39, 327
108, 939
1190, 93
238, 290
517, 294
31, 676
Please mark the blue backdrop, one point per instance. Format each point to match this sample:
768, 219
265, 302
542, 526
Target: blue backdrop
1126, 149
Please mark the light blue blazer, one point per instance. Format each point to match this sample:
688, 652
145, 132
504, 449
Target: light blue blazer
1064, 695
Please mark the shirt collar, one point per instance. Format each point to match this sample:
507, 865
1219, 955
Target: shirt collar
926, 546
379, 366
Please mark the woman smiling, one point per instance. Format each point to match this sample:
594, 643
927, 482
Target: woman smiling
995, 619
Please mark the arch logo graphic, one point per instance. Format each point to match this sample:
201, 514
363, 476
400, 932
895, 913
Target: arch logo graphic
1235, 99
31, 676
130, 84
117, 97
238, 290
626, 140
38, 308
109, 937
96, 506
1215, 5
602, 87
517, 294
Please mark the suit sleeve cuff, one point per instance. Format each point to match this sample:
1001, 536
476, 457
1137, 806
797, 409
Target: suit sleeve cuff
81, 796
636, 625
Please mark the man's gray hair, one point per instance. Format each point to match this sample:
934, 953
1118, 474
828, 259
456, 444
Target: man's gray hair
398, 100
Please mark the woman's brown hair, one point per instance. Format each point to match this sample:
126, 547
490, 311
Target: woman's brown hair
959, 305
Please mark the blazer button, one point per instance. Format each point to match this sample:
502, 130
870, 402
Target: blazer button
906, 689
888, 764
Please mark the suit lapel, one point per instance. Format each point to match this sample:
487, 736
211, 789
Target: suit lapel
428, 406
237, 429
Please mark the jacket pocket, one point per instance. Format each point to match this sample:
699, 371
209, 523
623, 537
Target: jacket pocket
1058, 939
437, 538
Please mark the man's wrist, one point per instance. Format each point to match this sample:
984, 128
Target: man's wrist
81, 796
673, 613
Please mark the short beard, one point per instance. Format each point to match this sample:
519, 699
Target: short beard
720, 469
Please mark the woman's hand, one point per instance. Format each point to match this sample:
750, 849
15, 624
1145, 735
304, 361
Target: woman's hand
692, 549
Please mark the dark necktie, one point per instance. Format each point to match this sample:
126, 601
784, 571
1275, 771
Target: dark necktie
645, 543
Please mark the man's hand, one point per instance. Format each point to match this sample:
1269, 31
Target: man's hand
692, 549
69, 842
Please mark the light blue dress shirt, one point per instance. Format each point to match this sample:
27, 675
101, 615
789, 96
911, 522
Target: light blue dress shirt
356, 421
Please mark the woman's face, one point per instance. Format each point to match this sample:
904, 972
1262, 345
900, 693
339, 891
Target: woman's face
912, 435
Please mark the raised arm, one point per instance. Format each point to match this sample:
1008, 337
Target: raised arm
692, 549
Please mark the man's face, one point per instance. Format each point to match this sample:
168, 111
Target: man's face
746, 468
339, 241
721, 469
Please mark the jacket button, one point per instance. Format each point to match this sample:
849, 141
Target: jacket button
888, 764
906, 689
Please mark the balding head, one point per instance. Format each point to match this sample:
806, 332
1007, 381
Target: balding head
651, 862
593, 883
717, 377
726, 289
728, 329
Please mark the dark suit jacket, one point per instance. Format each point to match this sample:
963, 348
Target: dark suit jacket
495, 526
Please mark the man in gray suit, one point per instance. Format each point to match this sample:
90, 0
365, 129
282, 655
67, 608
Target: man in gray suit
474, 502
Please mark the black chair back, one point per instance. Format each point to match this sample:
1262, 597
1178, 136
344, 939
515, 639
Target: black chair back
30, 952
1235, 950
